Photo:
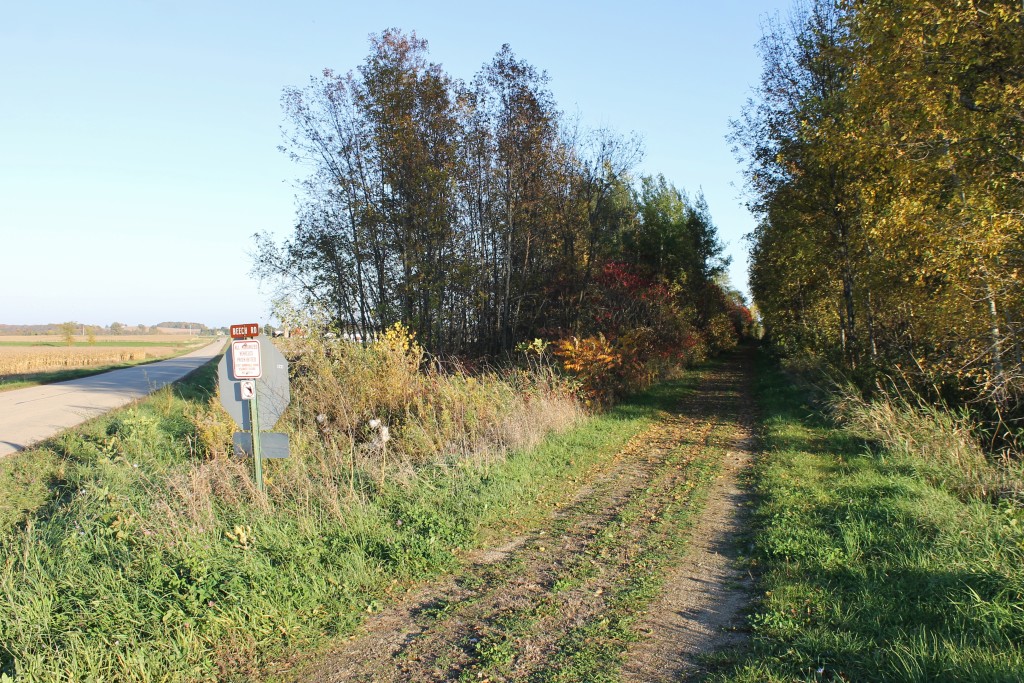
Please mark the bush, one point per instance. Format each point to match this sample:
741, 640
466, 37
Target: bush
385, 400
722, 333
595, 363
607, 369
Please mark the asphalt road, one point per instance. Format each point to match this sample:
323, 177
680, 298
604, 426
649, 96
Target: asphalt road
30, 415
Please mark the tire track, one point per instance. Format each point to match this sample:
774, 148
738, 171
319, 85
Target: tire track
527, 610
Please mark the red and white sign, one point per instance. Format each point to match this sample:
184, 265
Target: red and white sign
245, 359
245, 330
247, 388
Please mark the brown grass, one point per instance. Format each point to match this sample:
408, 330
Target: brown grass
432, 411
376, 413
126, 338
21, 360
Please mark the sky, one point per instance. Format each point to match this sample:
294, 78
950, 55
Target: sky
139, 140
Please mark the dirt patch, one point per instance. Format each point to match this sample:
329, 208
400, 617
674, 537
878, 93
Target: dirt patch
702, 602
519, 611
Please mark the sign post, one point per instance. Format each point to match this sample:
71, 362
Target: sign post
254, 389
257, 455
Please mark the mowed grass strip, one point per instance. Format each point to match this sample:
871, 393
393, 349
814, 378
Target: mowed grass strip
100, 582
868, 572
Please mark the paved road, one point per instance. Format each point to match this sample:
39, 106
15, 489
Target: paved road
30, 415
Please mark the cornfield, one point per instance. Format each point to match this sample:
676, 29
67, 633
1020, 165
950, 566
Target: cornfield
20, 360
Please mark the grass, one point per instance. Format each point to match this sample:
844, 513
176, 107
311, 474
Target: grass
593, 651
622, 570
941, 443
130, 553
871, 569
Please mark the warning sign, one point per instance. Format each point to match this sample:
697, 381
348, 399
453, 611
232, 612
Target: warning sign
245, 359
247, 389
271, 388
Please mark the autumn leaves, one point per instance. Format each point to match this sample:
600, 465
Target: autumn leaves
885, 154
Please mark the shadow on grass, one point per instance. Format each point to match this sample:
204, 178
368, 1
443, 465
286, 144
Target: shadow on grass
868, 572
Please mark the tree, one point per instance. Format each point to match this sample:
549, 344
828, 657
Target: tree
884, 158
67, 332
375, 240
461, 210
792, 138
950, 121
472, 213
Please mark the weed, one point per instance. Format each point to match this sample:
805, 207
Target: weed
937, 441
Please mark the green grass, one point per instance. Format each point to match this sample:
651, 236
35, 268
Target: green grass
868, 571
104, 576
593, 651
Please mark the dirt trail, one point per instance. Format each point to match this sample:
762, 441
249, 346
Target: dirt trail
558, 604
701, 603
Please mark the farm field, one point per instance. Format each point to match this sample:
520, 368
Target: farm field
40, 359
122, 339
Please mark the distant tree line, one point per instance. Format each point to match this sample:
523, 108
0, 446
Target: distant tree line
475, 212
885, 159
73, 328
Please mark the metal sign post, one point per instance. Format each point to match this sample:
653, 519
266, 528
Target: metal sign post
257, 458
255, 374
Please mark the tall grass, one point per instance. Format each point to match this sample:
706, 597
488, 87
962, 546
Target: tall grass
433, 410
139, 549
940, 442
366, 416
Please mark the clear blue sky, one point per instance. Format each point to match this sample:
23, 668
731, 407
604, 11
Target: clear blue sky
138, 140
